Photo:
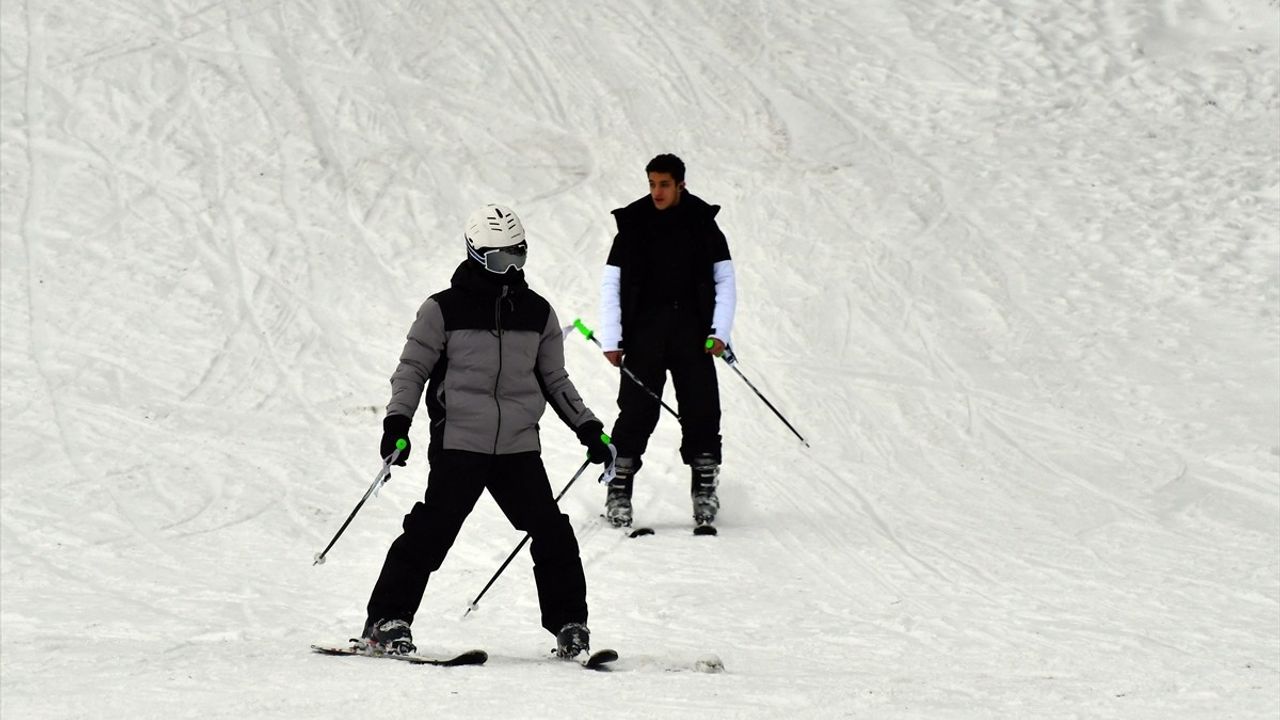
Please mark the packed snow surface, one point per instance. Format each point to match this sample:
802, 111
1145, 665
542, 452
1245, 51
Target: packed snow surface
1011, 267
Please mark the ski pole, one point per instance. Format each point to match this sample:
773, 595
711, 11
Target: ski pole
383, 476
515, 552
732, 361
588, 334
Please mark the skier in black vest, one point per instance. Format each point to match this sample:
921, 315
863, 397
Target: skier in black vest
667, 304
489, 352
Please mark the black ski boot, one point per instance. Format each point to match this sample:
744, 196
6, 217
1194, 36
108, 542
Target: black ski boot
392, 637
705, 478
573, 640
617, 504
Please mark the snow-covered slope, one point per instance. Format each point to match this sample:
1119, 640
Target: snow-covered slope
1012, 267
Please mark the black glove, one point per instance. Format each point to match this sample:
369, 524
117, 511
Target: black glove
395, 427
592, 437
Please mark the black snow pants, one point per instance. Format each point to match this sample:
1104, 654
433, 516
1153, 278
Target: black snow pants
671, 339
519, 484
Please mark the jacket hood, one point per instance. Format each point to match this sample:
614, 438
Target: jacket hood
690, 206
472, 278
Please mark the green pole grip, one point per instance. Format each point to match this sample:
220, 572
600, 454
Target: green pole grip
710, 343
402, 444
582, 328
606, 438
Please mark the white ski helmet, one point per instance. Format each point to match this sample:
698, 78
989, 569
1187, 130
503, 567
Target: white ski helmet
495, 239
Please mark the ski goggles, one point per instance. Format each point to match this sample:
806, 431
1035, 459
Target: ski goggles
500, 260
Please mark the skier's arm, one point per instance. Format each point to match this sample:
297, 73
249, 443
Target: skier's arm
422, 348
726, 299
610, 335
557, 388
726, 288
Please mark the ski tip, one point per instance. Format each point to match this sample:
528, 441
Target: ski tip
706, 530
470, 657
640, 532
600, 659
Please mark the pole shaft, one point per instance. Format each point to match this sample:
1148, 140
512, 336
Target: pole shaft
590, 335
525, 540
377, 481
732, 361
770, 405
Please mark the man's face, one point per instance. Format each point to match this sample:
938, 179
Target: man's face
664, 190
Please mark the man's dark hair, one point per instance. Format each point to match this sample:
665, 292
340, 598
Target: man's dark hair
667, 163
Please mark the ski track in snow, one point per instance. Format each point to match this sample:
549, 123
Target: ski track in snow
1012, 268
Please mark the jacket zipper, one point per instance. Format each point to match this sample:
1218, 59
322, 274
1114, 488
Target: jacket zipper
497, 379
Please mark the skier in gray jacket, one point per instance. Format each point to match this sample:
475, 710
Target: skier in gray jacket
489, 354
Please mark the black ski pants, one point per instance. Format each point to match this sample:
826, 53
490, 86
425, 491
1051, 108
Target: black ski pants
519, 484
670, 340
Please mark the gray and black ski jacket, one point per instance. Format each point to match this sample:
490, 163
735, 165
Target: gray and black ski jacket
489, 353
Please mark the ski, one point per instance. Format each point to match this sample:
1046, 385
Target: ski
598, 660
470, 657
705, 528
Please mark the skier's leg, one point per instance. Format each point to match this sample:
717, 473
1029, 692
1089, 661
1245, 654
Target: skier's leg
523, 492
637, 417
617, 503
453, 486
638, 412
693, 373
